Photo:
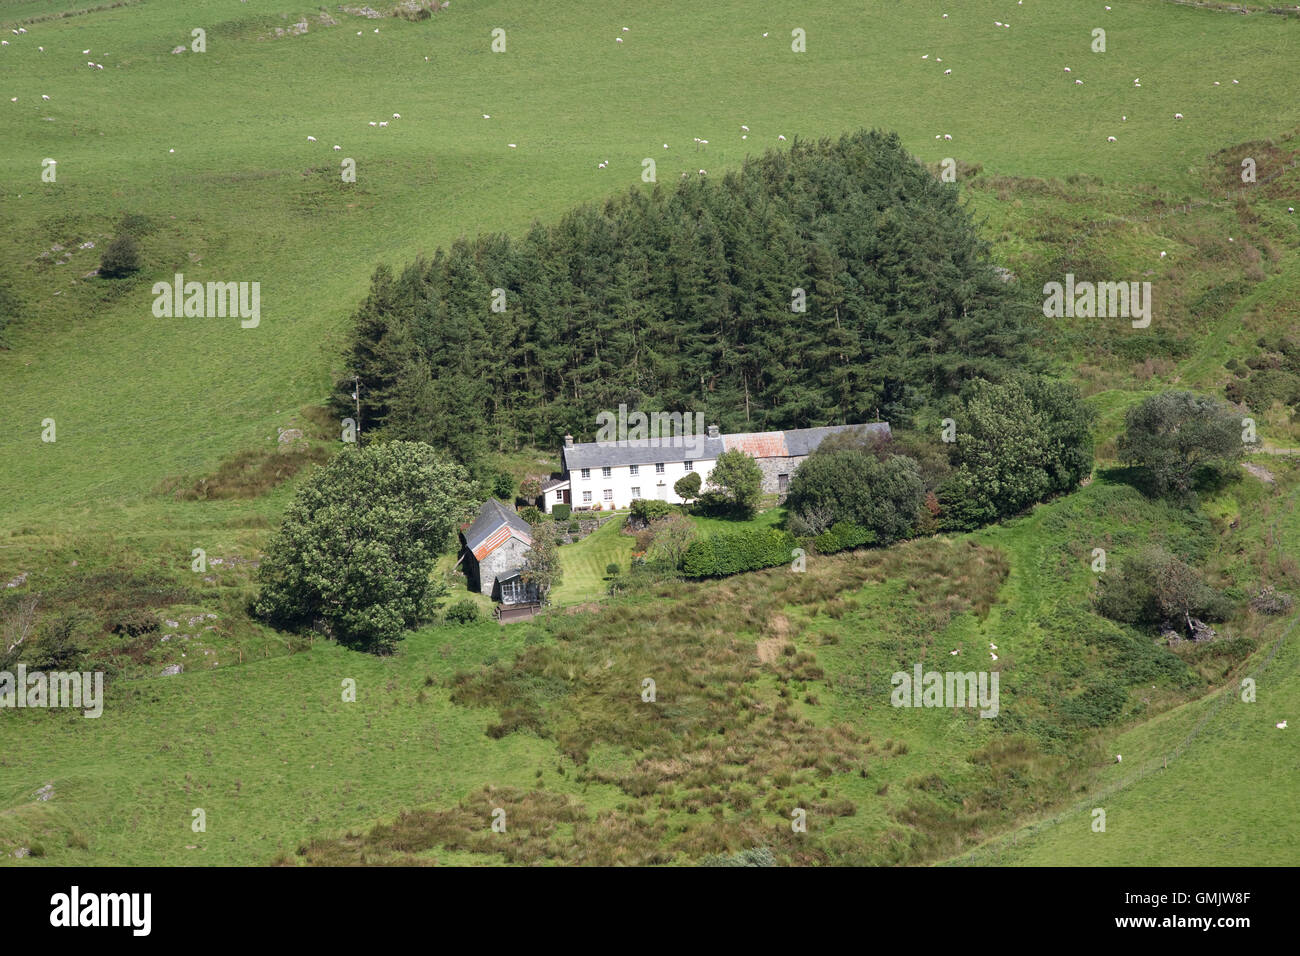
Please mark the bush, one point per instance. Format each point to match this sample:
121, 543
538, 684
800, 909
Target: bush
530, 514
121, 258
1154, 587
464, 611
645, 510
561, 511
574, 527
503, 486
854, 486
612, 569
842, 536
732, 552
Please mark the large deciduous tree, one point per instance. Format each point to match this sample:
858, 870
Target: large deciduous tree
354, 554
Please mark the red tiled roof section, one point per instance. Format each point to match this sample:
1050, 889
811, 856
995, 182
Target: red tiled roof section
498, 538
759, 444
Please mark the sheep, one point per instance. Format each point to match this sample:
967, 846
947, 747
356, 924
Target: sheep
947, 136
1119, 758
947, 72
1178, 116
781, 138
1078, 82
512, 145
337, 147
1110, 139
311, 139
954, 653
397, 116
703, 173
44, 96
992, 655
1281, 726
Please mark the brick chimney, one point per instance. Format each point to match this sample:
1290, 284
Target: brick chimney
713, 431
568, 441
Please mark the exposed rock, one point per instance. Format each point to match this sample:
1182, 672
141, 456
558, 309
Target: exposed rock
45, 792
288, 435
18, 581
171, 670
179, 49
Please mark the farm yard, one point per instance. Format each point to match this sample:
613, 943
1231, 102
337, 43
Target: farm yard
179, 435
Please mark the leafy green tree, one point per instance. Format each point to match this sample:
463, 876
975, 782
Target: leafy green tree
737, 484
1018, 442
688, 487
670, 537
850, 484
542, 560
1174, 436
355, 551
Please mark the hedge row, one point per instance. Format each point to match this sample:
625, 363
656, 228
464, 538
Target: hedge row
645, 510
731, 552
561, 511
842, 536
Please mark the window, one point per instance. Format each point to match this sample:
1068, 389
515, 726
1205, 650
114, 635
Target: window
636, 492
606, 472
688, 465
586, 474
634, 469
609, 494
559, 495
586, 497
659, 468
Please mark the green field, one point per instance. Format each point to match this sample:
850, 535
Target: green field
257, 735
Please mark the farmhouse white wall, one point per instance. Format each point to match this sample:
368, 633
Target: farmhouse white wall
621, 483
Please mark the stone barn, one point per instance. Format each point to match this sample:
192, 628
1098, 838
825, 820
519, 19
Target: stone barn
493, 554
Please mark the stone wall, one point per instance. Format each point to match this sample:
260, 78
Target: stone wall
773, 467
506, 558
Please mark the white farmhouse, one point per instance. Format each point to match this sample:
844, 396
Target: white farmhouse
611, 475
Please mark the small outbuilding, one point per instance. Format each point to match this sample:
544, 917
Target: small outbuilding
494, 545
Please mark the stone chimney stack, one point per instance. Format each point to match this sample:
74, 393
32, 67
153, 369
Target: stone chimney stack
713, 431
568, 441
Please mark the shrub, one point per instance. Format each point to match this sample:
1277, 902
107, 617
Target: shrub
732, 552
121, 258
739, 484
688, 486
530, 514
503, 486
464, 611
1154, 587
574, 527
853, 485
561, 512
646, 510
842, 536
612, 569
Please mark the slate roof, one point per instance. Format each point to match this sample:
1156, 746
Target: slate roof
641, 452
493, 526
793, 442
552, 483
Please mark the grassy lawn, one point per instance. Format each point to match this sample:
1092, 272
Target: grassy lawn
584, 563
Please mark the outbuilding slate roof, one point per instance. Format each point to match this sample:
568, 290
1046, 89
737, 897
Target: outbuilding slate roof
493, 526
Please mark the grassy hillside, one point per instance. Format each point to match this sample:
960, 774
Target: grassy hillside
155, 415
